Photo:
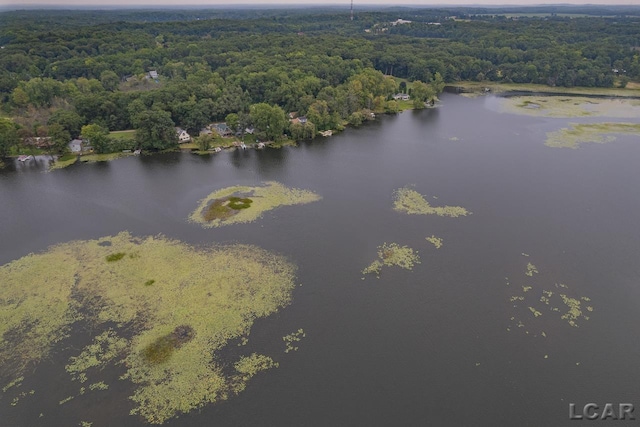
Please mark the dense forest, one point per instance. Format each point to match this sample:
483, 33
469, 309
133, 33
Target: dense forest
67, 73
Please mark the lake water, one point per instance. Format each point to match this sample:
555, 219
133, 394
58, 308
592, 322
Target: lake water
432, 346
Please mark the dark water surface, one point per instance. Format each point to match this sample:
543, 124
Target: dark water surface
413, 348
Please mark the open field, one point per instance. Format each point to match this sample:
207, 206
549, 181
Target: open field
124, 134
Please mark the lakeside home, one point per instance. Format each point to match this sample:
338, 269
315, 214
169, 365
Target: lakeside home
401, 97
79, 146
222, 129
183, 136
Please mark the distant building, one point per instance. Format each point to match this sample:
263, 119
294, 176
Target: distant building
153, 75
302, 120
400, 22
183, 136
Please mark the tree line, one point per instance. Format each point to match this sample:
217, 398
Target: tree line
56, 79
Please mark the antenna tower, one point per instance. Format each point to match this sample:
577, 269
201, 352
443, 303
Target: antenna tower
352, 10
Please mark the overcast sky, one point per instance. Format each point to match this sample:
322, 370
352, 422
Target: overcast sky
298, 3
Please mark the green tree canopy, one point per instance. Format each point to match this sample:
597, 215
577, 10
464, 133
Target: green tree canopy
155, 130
97, 136
8, 136
270, 120
60, 138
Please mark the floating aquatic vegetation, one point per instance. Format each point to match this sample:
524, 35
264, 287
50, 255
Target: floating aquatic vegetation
66, 399
569, 106
237, 203
15, 383
535, 312
574, 311
241, 204
115, 257
530, 307
160, 350
201, 299
410, 201
22, 395
99, 386
251, 365
579, 133
435, 241
393, 254
531, 270
292, 338
105, 347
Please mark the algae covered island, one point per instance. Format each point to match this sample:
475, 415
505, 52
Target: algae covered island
600, 133
392, 254
157, 307
409, 201
569, 106
242, 204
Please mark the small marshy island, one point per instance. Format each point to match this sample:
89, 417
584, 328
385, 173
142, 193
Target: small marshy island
569, 106
411, 202
599, 133
158, 307
242, 204
392, 254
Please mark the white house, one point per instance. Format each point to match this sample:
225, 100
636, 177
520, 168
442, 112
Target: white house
75, 146
183, 136
401, 97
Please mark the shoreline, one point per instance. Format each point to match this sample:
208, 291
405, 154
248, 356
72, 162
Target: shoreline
489, 88
462, 88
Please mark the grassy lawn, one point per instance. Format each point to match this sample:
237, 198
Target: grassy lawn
64, 161
124, 134
405, 105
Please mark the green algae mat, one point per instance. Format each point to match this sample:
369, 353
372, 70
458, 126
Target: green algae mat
409, 201
392, 254
159, 308
540, 306
242, 204
569, 106
580, 133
